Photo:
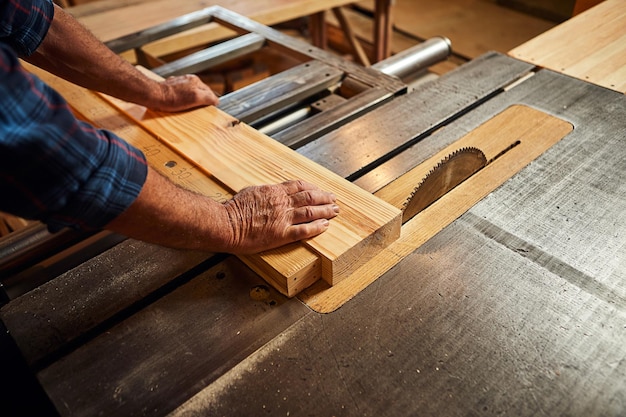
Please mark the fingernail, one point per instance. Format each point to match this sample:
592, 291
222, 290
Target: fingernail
325, 223
335, 208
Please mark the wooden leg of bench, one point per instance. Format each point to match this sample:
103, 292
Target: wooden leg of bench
317, 26
351, 37
383, 25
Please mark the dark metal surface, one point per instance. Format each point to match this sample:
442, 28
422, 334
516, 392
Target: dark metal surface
280, 91
172, 348
518, 308
312, 128
32, 243
465, 326
59, 312
213, 56
377, 136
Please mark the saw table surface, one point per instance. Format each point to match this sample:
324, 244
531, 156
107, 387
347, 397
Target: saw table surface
516, 308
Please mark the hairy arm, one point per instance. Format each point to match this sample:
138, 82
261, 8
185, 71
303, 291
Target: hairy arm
71, 52
255, 219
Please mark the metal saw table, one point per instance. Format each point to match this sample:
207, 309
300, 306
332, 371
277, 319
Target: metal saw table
516, 308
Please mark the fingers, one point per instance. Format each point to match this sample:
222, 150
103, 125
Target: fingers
307, 230
268, 216
295, 186
310, 203
312, 198
206, 96
303, 193
183, 92
204, 93
308, 214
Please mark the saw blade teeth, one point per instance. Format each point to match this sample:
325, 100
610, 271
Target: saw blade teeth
408, 200
466, 160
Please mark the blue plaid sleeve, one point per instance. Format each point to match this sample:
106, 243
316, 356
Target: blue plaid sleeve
53, 167
24, 23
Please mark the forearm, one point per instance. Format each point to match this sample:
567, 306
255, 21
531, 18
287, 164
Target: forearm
171, 216
70, 51
255, 219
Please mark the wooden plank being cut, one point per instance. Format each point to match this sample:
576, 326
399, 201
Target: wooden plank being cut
590, 46
239, 156
534, 130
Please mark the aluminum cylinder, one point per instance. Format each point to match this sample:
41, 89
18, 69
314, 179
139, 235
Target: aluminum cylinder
410, 62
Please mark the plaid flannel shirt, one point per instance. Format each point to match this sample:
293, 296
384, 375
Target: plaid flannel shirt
53, 167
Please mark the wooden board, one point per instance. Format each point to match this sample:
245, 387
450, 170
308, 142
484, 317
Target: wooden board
289, 269
536, 132
590, 46
236, 155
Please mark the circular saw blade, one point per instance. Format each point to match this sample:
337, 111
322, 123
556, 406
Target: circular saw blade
447, 174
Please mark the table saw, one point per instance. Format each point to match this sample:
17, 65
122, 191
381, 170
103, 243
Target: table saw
504, 295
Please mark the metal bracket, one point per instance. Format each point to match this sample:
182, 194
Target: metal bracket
375, 87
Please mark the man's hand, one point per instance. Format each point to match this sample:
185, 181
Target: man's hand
184, 92
256, 219
269, 216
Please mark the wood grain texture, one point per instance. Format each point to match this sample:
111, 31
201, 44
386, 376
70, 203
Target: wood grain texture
238, 156
474, 26
582, 5
536, 131
235, 155
590, 46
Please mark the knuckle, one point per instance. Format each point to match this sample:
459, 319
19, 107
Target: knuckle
309, 213
307, 198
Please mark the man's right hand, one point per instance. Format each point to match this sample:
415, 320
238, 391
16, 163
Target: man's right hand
269, 216
255, 219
